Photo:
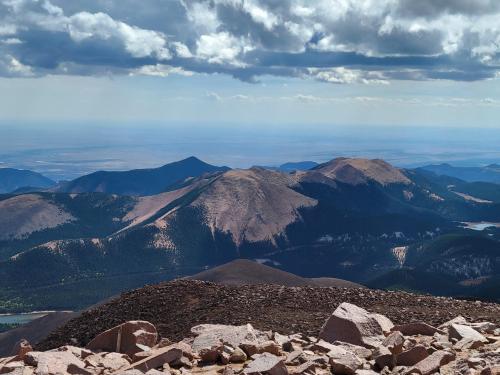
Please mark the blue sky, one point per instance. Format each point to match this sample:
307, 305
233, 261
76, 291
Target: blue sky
279, 62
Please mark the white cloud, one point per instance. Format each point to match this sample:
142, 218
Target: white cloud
337, 41
138, 42
160, 70
342, 75
221, 48
213, 96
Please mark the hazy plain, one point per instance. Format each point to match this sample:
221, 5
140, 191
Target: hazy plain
65, 151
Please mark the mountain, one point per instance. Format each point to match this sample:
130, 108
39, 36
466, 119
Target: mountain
247, 272
140, 182
454, 264
13, 179
297, 166
489, 173
344, 219
28, 220
359, 171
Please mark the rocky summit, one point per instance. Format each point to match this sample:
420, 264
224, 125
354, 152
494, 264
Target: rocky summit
352, 341
174, 307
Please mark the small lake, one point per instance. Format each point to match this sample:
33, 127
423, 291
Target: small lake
480, 225
20, 318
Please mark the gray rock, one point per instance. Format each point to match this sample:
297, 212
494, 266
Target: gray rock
266, 363
432, 363
344, 362
412, 356
354, 325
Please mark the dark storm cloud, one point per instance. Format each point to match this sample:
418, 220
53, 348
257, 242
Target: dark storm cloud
338, 41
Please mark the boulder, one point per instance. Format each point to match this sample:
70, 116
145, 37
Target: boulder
360, 351
432, 363
306, 367
210, 335
394, 342
76, 351
11, 367
484, 327
384, 322
343, 362
463, 332
21, 348
294, 358
158, 358
128, 338
55, 363
412, 356
237, 356
417, 328
383, 357
266, 363
108, 361
354, 325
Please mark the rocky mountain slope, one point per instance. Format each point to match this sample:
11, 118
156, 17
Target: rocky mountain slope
352, 341
139, 182
352, 219
12, 179
329, 336
174, 307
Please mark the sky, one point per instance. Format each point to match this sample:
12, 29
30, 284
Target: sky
251, 63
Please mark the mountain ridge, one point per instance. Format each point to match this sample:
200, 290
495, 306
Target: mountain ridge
140, 182
12, 179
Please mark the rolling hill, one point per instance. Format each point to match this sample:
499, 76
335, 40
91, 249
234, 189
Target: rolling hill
139, 182
14, 179
247, 272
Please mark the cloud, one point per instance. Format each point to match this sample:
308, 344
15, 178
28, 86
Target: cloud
213, 96
334, 41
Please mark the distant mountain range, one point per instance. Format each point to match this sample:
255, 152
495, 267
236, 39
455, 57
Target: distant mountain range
12, 179
355, 219
489, 173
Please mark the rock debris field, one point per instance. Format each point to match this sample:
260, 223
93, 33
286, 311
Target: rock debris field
174, 307
352, 341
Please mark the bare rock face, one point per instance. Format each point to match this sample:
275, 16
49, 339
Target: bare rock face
354, 325
128, 338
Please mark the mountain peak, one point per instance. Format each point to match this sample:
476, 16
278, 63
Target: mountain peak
357, 171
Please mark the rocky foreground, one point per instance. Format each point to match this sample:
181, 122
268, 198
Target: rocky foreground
175, 307
351, 341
